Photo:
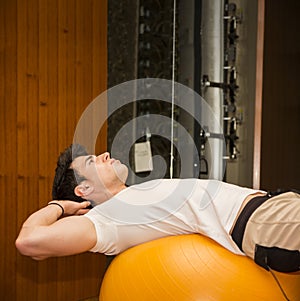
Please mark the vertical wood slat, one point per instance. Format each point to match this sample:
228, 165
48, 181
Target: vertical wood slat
46, 141
26, 133
63, 119
38, 113
71, 65
27, 270
62, 45
3, 254
84, 84
258, 94
99, 15
8, 163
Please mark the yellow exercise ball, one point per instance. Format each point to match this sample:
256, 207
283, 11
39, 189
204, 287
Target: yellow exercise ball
191, 268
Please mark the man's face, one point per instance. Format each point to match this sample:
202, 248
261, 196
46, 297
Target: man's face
102, 171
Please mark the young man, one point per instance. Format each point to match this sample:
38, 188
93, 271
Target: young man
245, 221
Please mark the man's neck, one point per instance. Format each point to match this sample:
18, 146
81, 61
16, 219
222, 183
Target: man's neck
109, 193
117, 189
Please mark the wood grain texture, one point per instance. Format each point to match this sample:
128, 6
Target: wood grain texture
258, 93
53, 63
280, 148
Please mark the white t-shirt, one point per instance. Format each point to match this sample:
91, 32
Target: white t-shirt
165, 207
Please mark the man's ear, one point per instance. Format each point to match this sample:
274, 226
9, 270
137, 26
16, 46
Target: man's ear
83, 189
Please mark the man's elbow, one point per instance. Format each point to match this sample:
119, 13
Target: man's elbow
27, 247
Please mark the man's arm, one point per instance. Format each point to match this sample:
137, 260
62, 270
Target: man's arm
45, 235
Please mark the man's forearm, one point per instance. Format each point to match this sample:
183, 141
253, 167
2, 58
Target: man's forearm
43, 217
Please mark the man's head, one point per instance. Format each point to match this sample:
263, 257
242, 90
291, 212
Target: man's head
66, 178
80, 176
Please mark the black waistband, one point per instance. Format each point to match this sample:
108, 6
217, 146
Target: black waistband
240, 225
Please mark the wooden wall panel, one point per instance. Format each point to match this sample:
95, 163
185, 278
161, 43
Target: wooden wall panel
8, 162
258, 93
280, 148
52, 65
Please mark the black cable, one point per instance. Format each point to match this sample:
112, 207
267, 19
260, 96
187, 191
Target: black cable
279, 285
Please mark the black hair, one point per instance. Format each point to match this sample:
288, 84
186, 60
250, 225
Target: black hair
66, 178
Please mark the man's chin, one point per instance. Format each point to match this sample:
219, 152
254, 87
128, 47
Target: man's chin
121, 171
